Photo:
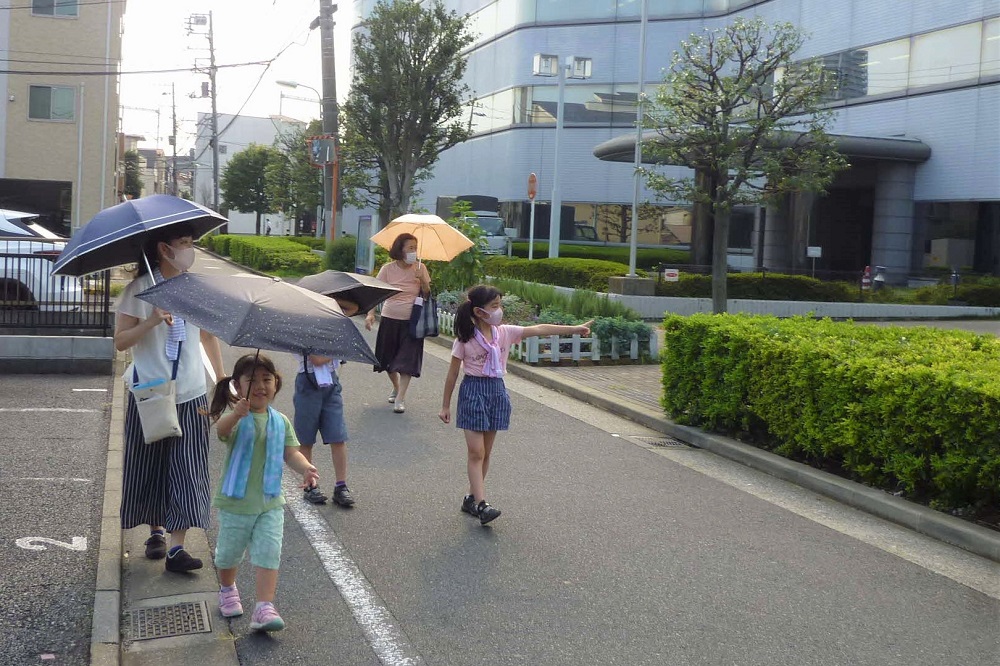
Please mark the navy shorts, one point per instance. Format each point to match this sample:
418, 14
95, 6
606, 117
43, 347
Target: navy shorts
483, 404
318, 410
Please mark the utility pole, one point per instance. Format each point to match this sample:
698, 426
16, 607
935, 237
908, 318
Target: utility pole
173, 138
215, 117
332, 204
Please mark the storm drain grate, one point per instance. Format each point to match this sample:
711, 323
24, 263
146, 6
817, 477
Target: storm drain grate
663, 440
174, 620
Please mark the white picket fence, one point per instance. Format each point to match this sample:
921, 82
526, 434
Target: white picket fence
539, 349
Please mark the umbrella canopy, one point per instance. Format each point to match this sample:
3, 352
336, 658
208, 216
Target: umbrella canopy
364, 290
263, 312
436, 239
115, 236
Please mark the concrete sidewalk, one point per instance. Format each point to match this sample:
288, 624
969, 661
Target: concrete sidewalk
136, 591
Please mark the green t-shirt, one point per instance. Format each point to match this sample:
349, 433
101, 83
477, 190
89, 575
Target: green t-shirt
253, 499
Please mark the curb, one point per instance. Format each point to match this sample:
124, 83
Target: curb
955, 531
105, 632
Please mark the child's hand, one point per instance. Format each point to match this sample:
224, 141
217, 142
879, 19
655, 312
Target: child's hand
445, 415
242, 407
309, 477
584, 328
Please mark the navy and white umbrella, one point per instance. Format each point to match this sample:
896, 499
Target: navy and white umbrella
263, 312
116, 235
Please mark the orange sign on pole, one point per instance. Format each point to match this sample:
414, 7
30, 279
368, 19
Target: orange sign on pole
532, 186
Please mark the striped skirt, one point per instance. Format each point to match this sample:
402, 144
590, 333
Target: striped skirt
483, 404
167, 482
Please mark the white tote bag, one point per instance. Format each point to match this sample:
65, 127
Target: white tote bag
157, 405
156, 402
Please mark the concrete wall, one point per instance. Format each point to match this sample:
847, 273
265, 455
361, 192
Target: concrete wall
49, 354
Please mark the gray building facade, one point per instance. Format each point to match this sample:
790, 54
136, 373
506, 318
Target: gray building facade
922, 76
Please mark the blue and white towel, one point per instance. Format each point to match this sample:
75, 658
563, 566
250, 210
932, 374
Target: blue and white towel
177, 331
235, 482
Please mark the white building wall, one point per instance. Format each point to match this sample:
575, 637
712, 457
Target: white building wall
236, 137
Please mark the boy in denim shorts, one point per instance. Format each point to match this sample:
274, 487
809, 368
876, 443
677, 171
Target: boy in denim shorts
319, 408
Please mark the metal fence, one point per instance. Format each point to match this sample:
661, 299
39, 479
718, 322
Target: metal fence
33, 301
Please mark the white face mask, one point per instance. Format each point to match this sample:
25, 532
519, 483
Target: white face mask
493, 317
411, 258
183, 258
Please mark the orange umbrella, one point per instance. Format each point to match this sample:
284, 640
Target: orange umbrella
436, 239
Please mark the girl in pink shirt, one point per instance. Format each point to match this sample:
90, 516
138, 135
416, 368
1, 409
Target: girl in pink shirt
481, 346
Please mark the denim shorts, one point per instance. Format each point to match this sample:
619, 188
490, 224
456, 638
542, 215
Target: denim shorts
259, 532
318, 410
483, 404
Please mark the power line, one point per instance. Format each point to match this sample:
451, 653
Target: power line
79, 3
196, 70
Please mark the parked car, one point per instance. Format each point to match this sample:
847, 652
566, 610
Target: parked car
26, 280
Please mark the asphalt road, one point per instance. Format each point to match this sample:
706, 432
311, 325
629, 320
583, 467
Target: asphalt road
606, 553
53, 448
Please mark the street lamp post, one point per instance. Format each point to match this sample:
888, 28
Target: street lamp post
328, 212
634, 236
575, 67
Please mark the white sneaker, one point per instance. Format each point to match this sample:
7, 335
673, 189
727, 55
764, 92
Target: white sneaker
399, 407
392, 397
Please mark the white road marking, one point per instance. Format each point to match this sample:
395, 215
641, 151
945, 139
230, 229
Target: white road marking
387, 640
91, 390
64, 410
50, 479
36, 543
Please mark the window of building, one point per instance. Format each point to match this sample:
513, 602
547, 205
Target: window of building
945, 56
881, 68
51, 102
55, 8
990, 57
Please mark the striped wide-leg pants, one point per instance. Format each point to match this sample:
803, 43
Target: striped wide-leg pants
166, 482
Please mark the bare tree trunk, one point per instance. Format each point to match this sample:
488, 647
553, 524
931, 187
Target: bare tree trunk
702, 225
258, 223
720, 261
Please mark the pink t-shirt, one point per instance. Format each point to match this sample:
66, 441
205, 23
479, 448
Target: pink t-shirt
399, 305
474, 356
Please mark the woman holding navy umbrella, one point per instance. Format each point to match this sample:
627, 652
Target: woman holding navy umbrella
166, 483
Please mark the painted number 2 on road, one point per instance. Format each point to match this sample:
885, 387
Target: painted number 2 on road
38, 543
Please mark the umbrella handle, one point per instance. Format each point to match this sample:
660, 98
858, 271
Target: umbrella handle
252, 371
149, 268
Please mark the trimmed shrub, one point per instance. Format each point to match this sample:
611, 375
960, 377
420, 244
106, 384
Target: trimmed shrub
645, 257
267, 253
590, 274
770, 286
340, 254
914, 409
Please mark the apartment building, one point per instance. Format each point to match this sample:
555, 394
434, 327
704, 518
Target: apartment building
58, 127
917, 114
236, 133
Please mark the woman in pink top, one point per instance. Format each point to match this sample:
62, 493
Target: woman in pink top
399, 353
481, 346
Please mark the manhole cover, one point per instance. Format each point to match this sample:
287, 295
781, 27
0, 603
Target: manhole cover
174, 620
662, 440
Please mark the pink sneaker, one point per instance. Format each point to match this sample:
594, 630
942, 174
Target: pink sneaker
266, 618
229, 603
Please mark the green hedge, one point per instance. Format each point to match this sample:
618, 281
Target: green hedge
916, 409
589, 274
266, 253
645, 257
772, 286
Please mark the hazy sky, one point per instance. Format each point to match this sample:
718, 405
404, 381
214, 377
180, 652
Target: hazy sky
156, 38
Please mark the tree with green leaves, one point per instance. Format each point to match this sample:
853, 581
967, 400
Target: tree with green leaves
244, 181
405, 106
133, 175
466, 270
748, 119
294, 185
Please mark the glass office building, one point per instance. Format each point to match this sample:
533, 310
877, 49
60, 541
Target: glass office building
917, 104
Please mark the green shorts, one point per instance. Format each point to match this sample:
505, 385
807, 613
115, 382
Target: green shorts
259, 532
